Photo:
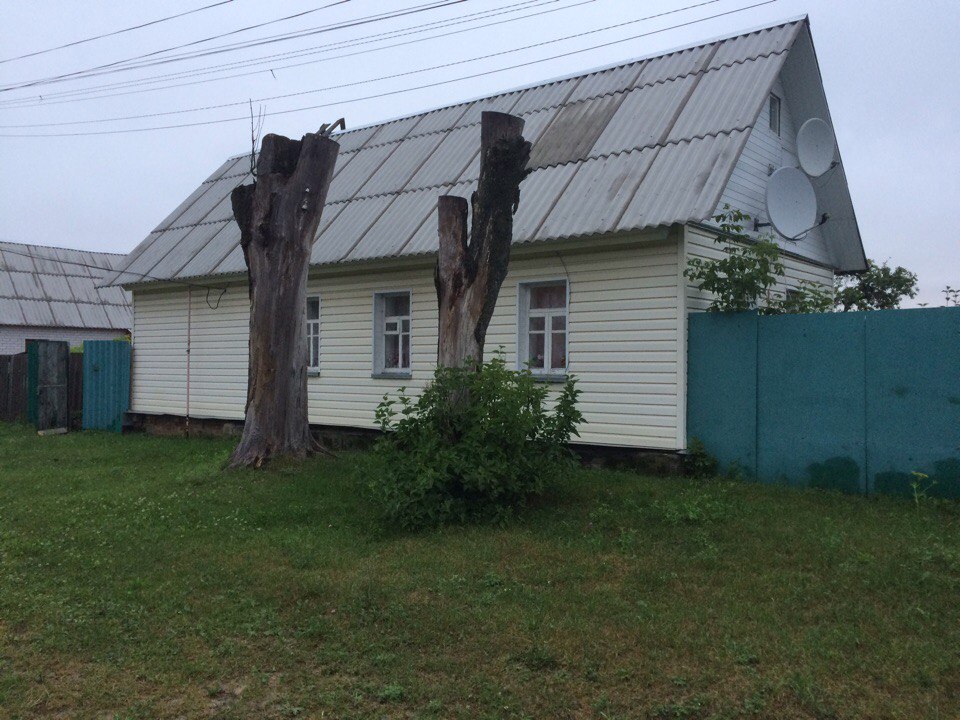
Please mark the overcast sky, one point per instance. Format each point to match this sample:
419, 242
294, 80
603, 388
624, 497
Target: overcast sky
889, 69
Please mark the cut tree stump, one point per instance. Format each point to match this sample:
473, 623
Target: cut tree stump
469, 273
278, 217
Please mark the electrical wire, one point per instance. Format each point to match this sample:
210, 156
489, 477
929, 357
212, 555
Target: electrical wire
115, 32
120, 66
433, 84
323, 89
71, 95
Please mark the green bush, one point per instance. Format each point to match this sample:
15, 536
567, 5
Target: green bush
475, 445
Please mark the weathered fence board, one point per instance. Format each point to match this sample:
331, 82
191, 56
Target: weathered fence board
48, 361
75, 390
13, 387
851, 401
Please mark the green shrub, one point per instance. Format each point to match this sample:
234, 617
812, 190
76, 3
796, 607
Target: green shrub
475, 445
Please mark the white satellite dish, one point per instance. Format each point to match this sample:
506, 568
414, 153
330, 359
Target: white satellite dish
791, 203
816, 147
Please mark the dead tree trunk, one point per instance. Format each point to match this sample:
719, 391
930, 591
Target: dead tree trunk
278, 217
469, 274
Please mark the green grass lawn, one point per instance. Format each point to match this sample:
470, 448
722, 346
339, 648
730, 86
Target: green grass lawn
141, 581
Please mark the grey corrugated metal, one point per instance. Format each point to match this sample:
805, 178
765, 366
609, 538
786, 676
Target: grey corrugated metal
607, 81
402, 163
10, 312
349, 227
354, 138
213, 251
360, 169
686, 178
771, 40
597, 195
636, 145
538, 196
574, 130
644, 118
726, 98
50, 287
425, 239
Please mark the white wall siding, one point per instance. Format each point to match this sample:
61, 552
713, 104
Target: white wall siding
701, 244
747, 186
622, 342
13, 337
160, 351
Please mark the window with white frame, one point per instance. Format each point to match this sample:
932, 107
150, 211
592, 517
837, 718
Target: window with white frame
391, 314
775, 113
543, 327
313, 333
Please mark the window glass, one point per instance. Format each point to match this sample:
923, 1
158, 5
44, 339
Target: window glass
313, 332
536, 354
775, 114
397, 305
558, 351
548, 296
544, 342
392, 332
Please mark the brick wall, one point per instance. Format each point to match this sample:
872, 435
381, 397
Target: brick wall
12, 337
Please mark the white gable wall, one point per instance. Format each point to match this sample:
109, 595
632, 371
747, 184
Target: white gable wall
701, 244
747, 186
623, 343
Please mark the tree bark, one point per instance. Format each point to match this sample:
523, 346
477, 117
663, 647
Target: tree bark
278, 217
469, 274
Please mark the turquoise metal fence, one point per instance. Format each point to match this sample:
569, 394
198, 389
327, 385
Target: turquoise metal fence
106, 384
850, 401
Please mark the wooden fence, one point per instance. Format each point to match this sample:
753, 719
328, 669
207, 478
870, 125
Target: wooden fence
14, 385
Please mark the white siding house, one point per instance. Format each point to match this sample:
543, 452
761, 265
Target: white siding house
629, 164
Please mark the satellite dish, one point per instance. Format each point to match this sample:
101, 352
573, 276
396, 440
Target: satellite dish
791, 203
816, 147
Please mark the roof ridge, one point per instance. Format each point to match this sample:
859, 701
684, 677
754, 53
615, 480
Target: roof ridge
609, 93
57, 247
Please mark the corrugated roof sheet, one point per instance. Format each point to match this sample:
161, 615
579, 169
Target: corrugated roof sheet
48, 286
638, 145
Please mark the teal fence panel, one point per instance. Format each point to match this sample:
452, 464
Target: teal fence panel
106, 384
810, 399
722, 386
913, 399
849, 401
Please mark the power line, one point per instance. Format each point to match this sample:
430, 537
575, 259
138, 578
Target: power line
122, 65
116, 32
437, 83
71, 95
333, 87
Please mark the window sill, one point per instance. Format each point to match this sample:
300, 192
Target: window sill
392, 375
545, 378
313, 373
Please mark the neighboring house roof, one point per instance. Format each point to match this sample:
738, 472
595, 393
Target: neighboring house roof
648, 143
56, 287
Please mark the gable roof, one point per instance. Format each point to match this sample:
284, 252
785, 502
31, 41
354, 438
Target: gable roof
648, 143
57, 287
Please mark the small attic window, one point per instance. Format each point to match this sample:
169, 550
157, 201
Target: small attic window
775, 113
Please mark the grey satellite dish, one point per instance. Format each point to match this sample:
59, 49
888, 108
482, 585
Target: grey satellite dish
791, 203
816, 147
